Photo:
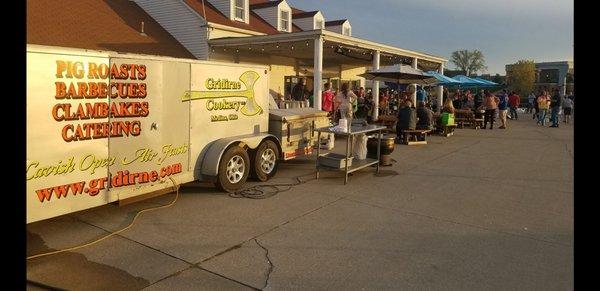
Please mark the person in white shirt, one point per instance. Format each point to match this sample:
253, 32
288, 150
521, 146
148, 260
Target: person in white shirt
343, 102
531, 100
567, 105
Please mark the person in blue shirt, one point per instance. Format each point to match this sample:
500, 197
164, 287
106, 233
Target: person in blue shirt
421, 95
503, 108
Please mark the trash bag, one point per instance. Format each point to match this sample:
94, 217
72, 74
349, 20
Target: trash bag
331, 141
359, 146
327, 141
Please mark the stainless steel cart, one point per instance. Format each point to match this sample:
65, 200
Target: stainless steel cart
356, 164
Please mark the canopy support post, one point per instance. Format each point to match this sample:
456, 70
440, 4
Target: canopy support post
318, 73
440, 91
414, 86
375, 88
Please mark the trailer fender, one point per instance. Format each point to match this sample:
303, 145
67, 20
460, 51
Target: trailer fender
210, 162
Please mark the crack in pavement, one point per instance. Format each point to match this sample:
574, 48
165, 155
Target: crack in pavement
268, 231
271, 266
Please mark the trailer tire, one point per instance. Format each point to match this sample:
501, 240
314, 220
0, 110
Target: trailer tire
265, 161
234, 168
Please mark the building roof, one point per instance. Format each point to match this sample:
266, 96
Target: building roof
100, 25
265, 4
255, 22
335, 22
304, 14
296, 10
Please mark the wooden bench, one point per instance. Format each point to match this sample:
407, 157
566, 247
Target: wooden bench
415, 136
460, 122
475, 123
446, 130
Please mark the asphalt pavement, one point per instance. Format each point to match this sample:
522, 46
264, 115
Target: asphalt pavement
480, 210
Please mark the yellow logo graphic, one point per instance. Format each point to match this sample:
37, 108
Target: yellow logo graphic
249, 108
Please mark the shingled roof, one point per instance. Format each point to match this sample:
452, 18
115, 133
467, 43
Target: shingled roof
265, 4
100, 25
335, 22
304, 14
256, 23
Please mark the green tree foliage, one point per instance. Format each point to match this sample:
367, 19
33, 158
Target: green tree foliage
469, 61
499, 79
521, 77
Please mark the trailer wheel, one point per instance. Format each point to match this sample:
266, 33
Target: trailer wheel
265, 161
233, 169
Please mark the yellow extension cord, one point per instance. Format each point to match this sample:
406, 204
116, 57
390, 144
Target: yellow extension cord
116, 232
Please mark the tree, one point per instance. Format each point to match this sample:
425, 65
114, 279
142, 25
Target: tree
521, 77
498, 79
469, 61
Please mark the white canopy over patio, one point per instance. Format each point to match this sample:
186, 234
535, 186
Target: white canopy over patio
322, 52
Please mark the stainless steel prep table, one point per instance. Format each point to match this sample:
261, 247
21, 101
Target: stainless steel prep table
359, 164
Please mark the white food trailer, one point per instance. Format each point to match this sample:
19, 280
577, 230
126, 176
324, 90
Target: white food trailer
104, 127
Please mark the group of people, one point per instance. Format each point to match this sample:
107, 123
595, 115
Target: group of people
505, 104
413, 118
350, 104
555, 102
391, 102
346, 103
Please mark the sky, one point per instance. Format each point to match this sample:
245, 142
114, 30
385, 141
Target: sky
505, 31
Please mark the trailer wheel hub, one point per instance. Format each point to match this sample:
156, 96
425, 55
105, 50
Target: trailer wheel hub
267, 161
235, 169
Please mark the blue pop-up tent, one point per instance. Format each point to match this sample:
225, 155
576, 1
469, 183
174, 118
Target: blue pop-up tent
443, 80
486, 81
470, 82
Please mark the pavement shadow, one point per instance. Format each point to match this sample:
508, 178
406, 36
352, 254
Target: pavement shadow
73, 271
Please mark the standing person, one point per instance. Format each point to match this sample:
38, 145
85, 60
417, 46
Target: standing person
543, 104
513, 101
433, 102
457, 102
468, 102
370, 106
421, 95
555, 104
491, 104
503, 108
567, 106
531, 100
536, 107
445, 94
478, 108
362, 108
311, 98
299, 91
343, 102
327, 97
478, 101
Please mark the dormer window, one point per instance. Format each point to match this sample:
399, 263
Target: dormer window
240, 10
347, 31
285, 21
319, 24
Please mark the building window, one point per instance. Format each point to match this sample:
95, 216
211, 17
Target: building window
240, 10
319, 24
285, 20
347, 31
